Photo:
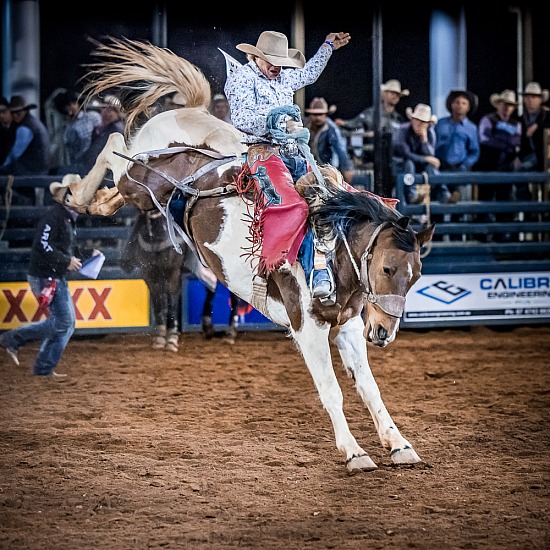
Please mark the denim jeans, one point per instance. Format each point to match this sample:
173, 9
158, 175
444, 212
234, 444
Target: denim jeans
55, 332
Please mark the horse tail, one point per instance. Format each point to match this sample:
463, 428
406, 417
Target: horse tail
142, 73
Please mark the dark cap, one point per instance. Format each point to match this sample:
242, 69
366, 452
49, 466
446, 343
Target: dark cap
4, 104
471, 97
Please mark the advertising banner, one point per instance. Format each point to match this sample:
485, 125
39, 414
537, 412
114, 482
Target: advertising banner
476, 298
99, 304
193, 296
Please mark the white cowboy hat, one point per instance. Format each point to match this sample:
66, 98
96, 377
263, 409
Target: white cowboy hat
421, 112
273, 47
394, 85
506, 96
533, 88
319, 106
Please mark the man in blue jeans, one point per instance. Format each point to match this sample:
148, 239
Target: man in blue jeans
54, 254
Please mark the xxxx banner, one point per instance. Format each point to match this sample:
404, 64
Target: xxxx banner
98, 304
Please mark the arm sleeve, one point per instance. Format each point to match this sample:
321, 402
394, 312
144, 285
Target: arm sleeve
47, 248
23, 137
240, 90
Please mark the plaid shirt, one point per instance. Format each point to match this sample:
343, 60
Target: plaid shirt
78, 135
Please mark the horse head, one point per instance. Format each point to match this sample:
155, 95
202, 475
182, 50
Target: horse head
379, 255
390, 265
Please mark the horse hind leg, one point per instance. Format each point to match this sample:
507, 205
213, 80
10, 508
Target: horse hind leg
232, 329
85, 190
159, 337
353, 351
172, 340
206, 321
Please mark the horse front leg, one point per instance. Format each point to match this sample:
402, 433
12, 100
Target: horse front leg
313, 344
353, 350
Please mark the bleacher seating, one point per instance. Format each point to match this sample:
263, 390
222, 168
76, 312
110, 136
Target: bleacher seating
462, 245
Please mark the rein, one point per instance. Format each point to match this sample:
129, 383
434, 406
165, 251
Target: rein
182, 185
392, 304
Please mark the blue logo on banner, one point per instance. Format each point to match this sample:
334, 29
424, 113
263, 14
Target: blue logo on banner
445, 292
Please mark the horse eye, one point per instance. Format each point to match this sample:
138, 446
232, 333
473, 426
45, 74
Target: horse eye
387, 271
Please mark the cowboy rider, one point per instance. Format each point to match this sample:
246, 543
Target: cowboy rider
260, 95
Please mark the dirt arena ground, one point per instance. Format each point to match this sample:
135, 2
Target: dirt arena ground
223, 447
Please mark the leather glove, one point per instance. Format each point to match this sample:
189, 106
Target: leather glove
293, 126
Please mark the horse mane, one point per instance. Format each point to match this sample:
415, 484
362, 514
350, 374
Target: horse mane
142, 73
342, 211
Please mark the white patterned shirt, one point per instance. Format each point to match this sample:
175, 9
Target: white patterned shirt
252, 95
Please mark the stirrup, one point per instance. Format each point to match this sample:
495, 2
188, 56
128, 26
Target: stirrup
329, 299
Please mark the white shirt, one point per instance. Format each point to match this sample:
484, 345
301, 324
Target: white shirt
252, 95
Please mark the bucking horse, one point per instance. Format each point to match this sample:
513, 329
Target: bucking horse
189, 165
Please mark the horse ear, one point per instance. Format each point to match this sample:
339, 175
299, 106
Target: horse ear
425, 235
403, 222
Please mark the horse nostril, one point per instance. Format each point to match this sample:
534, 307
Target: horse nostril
382, 333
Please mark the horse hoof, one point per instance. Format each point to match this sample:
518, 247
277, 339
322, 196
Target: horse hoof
363, 462
159, 342
170, 346
172, 342
406, 455
207, 328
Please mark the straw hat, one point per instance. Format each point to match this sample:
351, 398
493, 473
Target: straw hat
471, 97
506, 96
273, 47
319, 106
421, 112
18, 103
533, 88
394, 85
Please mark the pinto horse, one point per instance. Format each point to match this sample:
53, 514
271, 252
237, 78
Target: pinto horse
187, 150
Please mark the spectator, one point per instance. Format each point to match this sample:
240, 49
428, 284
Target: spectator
457, 141
7, 129
499, 139
534, 121
54, 254
415, 144
56, 123
500, 135
326, 142
112, 121
260, 95
30, 153
390, 120
78, 130
219, 107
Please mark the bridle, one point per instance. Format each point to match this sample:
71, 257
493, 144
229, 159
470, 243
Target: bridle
392, 304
